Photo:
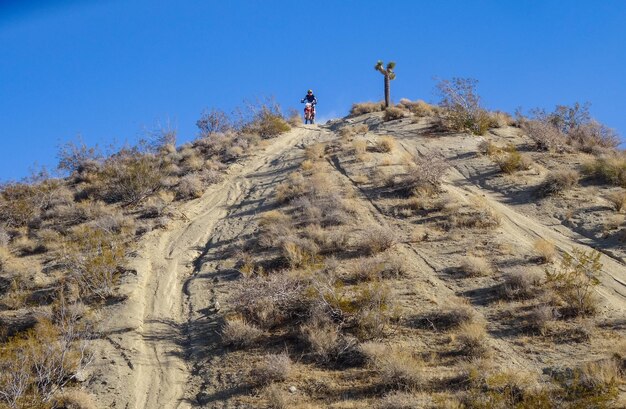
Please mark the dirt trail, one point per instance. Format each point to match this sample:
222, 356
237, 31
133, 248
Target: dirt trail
154, 331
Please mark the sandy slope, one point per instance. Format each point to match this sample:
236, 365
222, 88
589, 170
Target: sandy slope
162, 349
143, 363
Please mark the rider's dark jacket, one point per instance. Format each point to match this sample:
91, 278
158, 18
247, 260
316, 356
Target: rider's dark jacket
310, 98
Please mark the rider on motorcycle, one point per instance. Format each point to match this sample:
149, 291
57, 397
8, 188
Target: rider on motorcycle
310, 99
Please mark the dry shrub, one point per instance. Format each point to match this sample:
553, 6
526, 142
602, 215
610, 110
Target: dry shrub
94, 258
377, 239
5, 238
346, 132
73, 399
393, 113
35, 365
476, 266
315, 151
472, 338
366, 108
361, 129
294, 118
513, 161
271, 301
277, 398
617, 199
609, 169
425, 173
477, 215
449, 318
359, 146
500, 119
190, 186
489, 148
593, 135
267, 122
419, 108
384, 265
293, 187
462, 105
273, 368
322, 335
129, 177
237, 332
18, 204
600, 374
573, 283
521, 285
541, 318
397, 367
409, 400
545, 135
386, 144
545, 250
557, 182
300, 252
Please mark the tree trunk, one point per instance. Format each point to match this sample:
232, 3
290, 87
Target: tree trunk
386, 91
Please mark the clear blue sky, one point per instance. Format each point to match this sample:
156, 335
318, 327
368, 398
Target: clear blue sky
108, 69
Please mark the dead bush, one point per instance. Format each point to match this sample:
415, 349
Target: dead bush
499, 119
19, 204
521, 285
600, 374
545, 135
575, 280
376, 239
448, 318
214, 121
462, 105
541, 318
277, 398
386, 144
397, 367
393, 113
239, 333
273, 368
513, 161
489, 148
293, 187
77, 157
94, 258
383, 265
366, 108
589, 136
617, 199
545, 250
271, 301
558, 182
73, 399
425, 173
300, 252
267, 120
419, 108
477, 215
190, 186
472, 338
130, 177
609, 169
476, 266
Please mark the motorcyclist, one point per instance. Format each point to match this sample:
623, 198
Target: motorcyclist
310, 99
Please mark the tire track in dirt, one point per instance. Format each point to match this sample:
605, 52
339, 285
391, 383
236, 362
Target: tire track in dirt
160, 346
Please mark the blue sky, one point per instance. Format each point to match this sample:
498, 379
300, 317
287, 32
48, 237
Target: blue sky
106, 70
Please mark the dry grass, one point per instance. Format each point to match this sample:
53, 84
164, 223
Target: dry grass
366, 108
477, 215
542, 318
545, 250
617, 199
376, 239
419, 108
601, 374
239, 333
393, 113
471, 338
521, 285
512, 161
73, 399
609, 169
359, 146
397, 367
449, 318
273, 368
476, 266
315, 152
558, 181
386, 144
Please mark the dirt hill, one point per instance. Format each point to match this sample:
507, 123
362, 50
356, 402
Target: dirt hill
452, 280
376, 262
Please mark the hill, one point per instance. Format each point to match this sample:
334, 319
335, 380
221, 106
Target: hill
390, 259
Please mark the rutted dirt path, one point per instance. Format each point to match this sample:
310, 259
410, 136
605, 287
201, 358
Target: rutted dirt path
162, 329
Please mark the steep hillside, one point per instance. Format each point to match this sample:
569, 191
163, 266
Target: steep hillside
382, 260
314, 275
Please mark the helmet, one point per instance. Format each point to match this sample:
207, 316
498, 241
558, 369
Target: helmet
309, 91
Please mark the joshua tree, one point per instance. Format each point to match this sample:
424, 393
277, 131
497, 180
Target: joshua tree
389, 75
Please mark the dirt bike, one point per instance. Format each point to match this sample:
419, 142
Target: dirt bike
309, 113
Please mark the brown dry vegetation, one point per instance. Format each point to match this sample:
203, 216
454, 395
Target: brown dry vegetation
64, 245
